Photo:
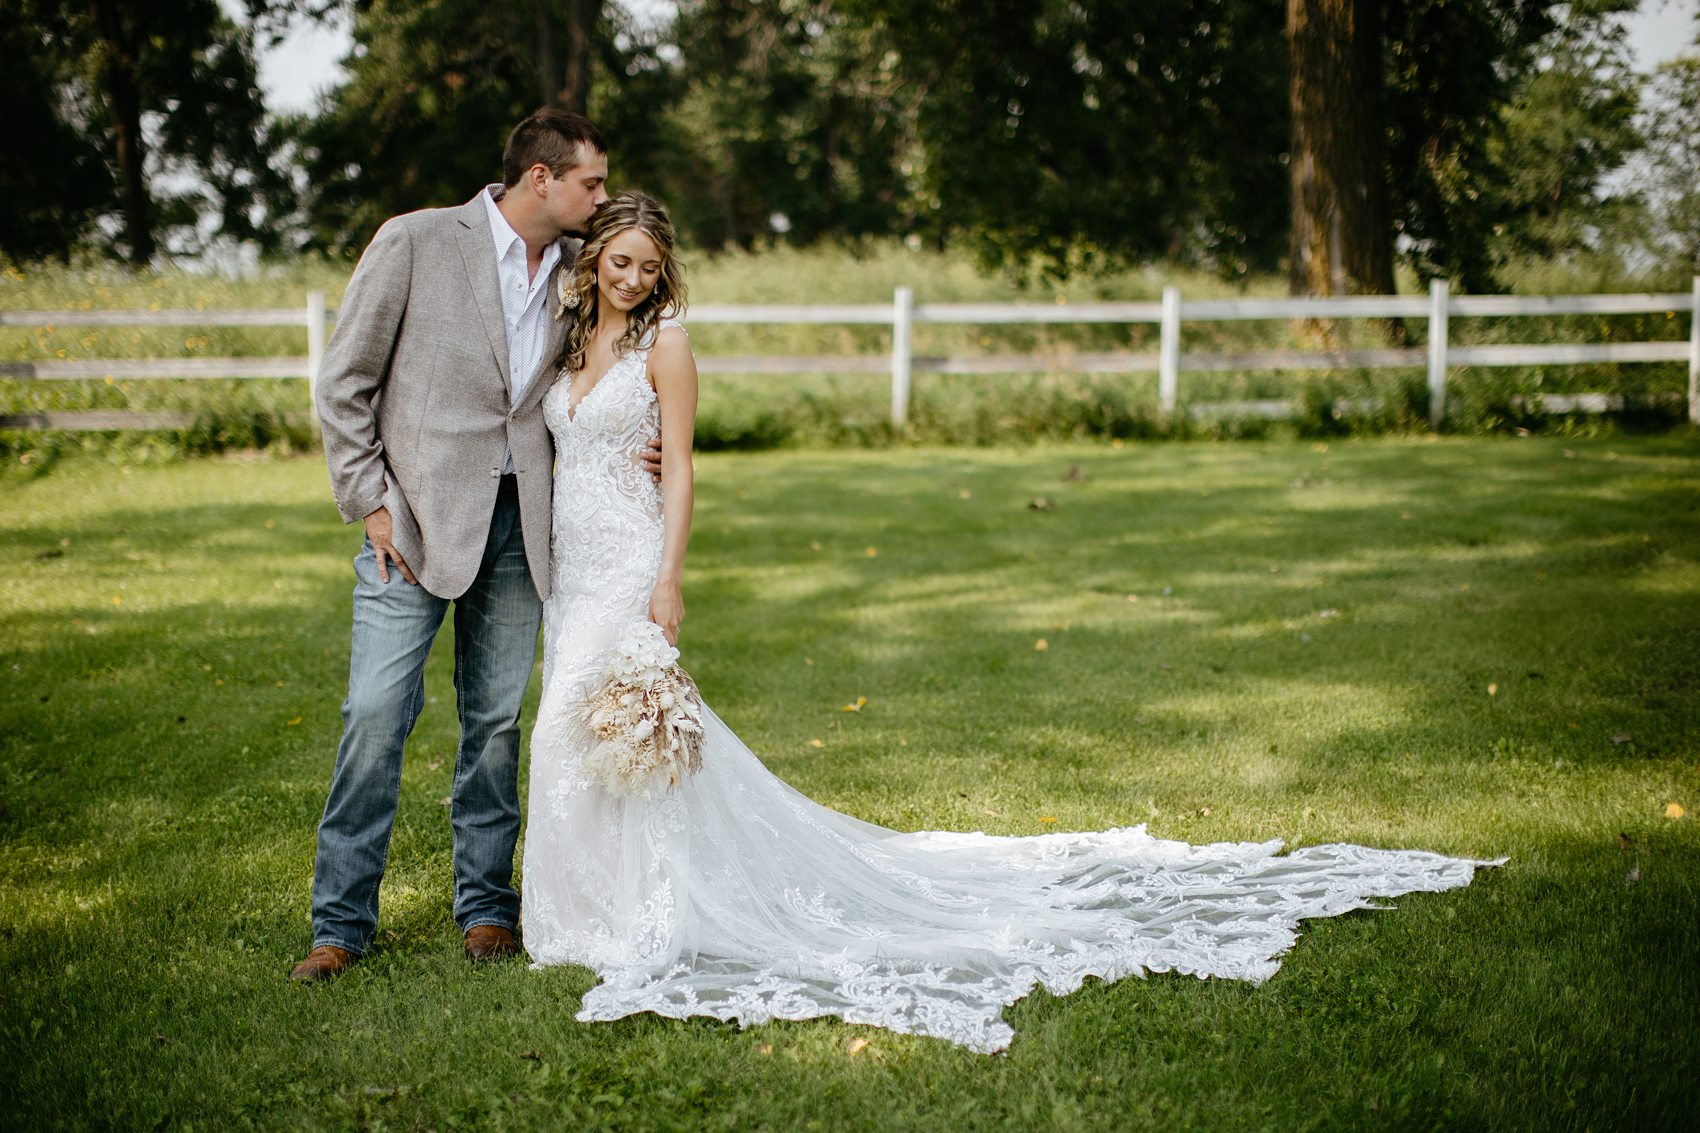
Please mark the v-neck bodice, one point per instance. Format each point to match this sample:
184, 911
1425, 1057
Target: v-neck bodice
607, 533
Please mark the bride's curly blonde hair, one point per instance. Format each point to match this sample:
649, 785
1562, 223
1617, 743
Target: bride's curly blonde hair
621, 213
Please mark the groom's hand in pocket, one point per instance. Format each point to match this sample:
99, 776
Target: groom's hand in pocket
380, 531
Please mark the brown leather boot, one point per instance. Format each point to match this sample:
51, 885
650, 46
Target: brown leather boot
490, 942
322, 963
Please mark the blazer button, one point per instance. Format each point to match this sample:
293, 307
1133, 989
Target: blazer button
495, 471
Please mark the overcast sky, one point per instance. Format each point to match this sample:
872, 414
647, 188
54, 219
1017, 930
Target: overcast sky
306, 64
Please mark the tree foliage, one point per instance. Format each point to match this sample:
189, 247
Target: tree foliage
1670, 173
1044, 128
1049, 134
1566, 127
162, 97
433, 88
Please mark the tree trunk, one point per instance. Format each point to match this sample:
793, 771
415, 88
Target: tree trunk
124, 108
563, 69
582, 16
548, 58
1342, 241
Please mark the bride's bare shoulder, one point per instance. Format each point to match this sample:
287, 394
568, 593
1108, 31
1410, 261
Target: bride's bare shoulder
672, 344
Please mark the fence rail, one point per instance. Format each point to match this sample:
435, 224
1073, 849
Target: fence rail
1169, 361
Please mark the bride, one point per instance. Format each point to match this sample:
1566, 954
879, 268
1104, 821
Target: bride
732, 895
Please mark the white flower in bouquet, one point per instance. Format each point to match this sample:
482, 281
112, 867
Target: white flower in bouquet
647, 716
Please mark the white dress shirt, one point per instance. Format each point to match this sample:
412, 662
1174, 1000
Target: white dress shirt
525, 313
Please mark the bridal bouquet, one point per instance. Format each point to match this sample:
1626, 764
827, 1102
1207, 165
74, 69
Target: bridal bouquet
647, 716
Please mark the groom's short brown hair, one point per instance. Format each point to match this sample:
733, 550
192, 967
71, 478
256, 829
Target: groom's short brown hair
551, 138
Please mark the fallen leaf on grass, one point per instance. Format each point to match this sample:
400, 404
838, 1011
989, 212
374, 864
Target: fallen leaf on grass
292, 723
1675, 810
1048, 819
1040, 503
1618, 739
1041, 645
857, 705
857, 1046
1632, 876
871, 552
764, 1048
1493, 689
531, 1056
817, 743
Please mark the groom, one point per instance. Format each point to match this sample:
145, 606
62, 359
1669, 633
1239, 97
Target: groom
430, 393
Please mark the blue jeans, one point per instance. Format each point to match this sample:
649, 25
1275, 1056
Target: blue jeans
496, 624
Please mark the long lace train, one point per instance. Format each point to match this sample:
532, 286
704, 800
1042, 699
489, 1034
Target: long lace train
739, 898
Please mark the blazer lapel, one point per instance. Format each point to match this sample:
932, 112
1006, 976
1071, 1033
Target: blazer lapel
478, 252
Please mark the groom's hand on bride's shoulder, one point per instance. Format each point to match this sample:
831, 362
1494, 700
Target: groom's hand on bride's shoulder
380, 530
649, 458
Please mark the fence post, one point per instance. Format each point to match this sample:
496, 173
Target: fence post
1169, 354
1437, 291
315, 349
902, 318
1694, 354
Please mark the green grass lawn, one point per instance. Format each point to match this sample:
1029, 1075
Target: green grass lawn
1478, 646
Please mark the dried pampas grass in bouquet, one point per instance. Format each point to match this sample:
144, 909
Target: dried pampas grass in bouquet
647, 717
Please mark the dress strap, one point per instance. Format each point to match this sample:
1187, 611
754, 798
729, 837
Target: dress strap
655, 332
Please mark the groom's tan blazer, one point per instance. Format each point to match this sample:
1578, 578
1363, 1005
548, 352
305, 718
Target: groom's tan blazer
413, 394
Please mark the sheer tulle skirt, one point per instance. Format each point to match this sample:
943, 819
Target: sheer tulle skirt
738, 898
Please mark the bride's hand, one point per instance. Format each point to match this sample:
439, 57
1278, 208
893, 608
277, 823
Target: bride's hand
667, 609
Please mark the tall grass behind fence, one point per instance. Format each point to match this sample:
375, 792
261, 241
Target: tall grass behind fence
765, 410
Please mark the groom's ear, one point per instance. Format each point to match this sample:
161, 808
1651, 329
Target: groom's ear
537, 179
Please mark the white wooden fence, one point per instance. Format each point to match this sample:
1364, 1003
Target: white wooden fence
1169, 314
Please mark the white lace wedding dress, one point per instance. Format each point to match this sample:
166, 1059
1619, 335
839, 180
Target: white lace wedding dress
738, 898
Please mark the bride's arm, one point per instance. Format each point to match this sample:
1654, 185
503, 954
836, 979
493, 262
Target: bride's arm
673, 371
